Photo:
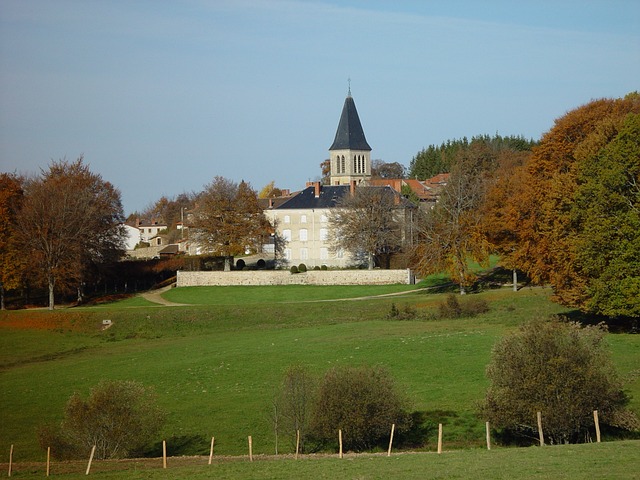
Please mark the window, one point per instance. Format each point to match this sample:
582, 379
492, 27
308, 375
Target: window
303, 234
339, 253
324, 253
324, 234
304, 254
323, 218
287, 254
286, 235
287, 219
303, 219
343, 169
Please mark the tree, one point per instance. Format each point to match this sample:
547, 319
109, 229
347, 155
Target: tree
12, 262
361, 401
325, 167
270, 190
449, 234
559, 369
607, 242
228, 220
293, 404
368, 222
382, 169
119, 418
558, 210
70, 220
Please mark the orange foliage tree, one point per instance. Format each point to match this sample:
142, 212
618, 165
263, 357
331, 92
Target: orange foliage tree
11, 255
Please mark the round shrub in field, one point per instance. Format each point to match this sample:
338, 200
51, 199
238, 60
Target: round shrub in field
361, 401
293, 269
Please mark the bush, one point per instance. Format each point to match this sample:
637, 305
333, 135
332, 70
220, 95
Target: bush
293, 269
302, 268
452, 307
560, 369
363, 402
119, 418
324, 267
407, 313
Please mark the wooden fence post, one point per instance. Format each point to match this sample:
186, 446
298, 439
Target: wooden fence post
393, 427
340, 441
213, 439
540, 433
439, 438
488, 436
597, 422
297, 443
93, 451
10, 459
48, 460
250, 449
164, 454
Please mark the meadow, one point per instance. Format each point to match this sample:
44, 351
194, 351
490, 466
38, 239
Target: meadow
216, 363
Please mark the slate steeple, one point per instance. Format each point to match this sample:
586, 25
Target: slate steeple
350, 154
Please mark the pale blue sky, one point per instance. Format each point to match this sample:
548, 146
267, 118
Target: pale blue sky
161, 96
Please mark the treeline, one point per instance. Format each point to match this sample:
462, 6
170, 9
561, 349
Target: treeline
436, 159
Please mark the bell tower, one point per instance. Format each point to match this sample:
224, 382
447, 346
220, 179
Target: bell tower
350, 154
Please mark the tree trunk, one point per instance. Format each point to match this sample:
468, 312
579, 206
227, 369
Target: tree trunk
1, 297
515, 280
371, 264
51, 296
227, 264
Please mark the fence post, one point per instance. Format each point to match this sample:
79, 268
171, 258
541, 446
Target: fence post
250, 449
93, 451
297, 443
48, 460
439, 438
488, 436
597, 422
393, 427
164, 454
10, 459
340, 441
540, 433
211, 450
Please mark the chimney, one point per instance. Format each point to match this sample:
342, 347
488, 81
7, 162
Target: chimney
352, 187
317, 189
271, 203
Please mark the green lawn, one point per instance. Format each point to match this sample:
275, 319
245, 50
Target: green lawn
217, 363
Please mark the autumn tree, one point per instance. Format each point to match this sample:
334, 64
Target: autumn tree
325, 168
369, 222
71, 220
12, 256
381, 169
560, 369
228, 219
560, 216
270, 190
450, 234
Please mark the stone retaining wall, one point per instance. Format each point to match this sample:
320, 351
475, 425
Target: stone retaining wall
284, 277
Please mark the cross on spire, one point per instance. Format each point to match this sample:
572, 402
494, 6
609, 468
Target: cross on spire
349, 80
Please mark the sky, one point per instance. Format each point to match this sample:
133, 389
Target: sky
162, 96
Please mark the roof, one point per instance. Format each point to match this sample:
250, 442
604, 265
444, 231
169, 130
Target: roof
328, 198
350, 134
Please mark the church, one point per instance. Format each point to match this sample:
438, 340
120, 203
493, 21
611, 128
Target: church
302, 221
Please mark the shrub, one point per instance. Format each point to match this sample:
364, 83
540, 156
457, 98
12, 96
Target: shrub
119, 417
302, 268
363, 402
317, 267
324, 267
452, 307
293, 269
560, 369
407, 313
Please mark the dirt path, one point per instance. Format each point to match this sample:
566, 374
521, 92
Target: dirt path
155, 296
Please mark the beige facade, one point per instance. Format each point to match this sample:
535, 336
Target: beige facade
306, 233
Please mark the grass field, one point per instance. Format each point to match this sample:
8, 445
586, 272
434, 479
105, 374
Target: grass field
217, 362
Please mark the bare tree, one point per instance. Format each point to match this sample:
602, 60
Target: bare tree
369, 222
70, 218
228, 219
